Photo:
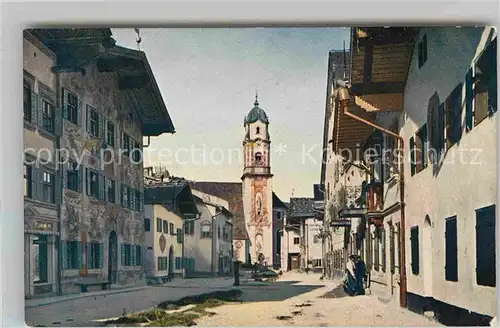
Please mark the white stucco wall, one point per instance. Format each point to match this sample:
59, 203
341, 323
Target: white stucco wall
152, 239
314, 250
461, 186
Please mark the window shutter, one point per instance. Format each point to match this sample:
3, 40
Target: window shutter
34, 182
457, 114
383, 251
485, 246
58, 185
415, 255
89, 255
101, 126
101, 255
133, 254
391, 249
64, 254
104, 135
87, 118
105, 188
412, 156
131, 196
451, 250
39, 111
418, 154
58, 122
64, 173
80, 178
39, 184
491, 55
34, 107
87, 181
118, 193
425, 152
79, 112
441, 128
123, 254
79, 252
102, 179
64, 103
469, 96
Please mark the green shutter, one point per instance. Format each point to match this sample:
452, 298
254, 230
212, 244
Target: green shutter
101, 255
64, 254
105, 188
101, 126
89, 255
469, 96
123, 254
87, 181
87, 118
79, 252
64, 103
58, 122
412, 156
457, 114
34, 108
64, 178
133, 254
441, 128
101, 180
79, 112
451, 249
118, 193
80, 178
39, 111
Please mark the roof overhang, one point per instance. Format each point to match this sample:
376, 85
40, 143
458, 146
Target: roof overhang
185, 202
341, 223
77, 48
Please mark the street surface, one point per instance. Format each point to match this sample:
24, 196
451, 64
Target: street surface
298, 299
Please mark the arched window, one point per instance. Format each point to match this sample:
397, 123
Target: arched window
258, 157
257, 130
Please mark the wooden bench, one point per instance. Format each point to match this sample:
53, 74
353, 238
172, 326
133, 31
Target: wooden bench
84, 284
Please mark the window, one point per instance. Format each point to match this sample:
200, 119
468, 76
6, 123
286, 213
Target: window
421, 149
158, 224
48, 116
451, 249
73, 255
165, 226
72, 177
189, 227
296, 240
147, 224
126, 145
136, 152
126, 200
93, 179
162, 264
27, 101
110, 134
48, 187
28, 181
413, 166
127, 254
422, 51
110, 190
258, 157
316, 263
138, 255
415, 255
257, 130
206, 230
453, 116
71, 110
316, 239
94, 255
172, 229
138, 201
179, 236
486, 83
92, 121
485, 246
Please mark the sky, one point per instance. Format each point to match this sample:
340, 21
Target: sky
208, 78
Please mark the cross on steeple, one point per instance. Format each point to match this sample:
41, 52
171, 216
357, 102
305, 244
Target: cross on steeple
256, 103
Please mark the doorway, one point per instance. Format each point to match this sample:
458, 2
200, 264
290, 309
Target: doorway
113, 258
294, 261
171, 261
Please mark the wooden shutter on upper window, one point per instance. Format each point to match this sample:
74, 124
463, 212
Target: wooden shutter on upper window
101, 122
39, 183
418, 154
457, 113
35, 107
412, 155
102, 186
87, 181
79, 112
469, 96
492, 85
38, 110
87, 118
441, 128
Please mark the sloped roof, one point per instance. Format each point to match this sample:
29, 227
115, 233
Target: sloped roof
256, 114
278, 203
166, 194
319, 192
233, 193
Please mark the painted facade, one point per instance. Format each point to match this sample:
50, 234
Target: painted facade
257, 185
97, 132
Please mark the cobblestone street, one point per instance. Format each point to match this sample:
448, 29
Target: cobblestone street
280, 299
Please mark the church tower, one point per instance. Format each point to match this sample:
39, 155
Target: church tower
257, 185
